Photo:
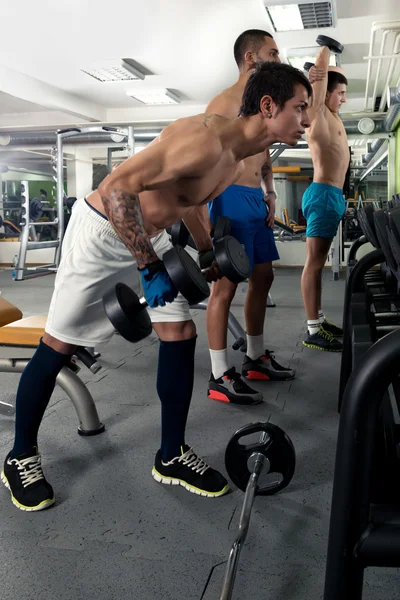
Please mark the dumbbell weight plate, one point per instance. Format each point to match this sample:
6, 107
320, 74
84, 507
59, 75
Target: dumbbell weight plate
307, 66
333, 45
222, 228
277, 449
232, 259
129, 317
186, 275
179, 234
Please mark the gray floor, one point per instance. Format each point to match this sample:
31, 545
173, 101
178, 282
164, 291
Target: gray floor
115, 533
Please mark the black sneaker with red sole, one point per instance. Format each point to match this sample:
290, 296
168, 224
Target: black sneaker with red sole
266, 368
232, 388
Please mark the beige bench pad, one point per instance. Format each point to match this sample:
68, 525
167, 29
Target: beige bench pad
24, 332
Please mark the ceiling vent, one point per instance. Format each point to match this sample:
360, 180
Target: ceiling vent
300, 15
315, 16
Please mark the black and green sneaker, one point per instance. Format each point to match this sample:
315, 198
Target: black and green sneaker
191, 472
331, 328
23, 476
322, 340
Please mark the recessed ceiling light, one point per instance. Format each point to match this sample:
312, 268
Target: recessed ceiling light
286, 17
114, 70
155, 97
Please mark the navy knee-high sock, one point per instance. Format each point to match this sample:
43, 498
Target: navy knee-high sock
34, 392
175, 386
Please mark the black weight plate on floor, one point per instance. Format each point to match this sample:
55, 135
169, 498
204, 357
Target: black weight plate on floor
179, 234
278, 449
129, 317
334, 45
222, 228
232, 259
186, 275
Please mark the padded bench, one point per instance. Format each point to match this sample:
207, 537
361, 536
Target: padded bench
19, 338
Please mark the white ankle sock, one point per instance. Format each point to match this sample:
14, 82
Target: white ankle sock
255, 346
321, 316
313, 326
219, 362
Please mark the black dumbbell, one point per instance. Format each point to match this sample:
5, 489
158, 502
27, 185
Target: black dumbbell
333, 45
307, 66
125, 310
180, 235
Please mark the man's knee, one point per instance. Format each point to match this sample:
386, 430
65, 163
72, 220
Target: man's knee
223, 291
262, 277
58, 345
175, 331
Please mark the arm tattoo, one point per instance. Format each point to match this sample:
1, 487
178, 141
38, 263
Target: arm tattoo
266, 170
206, 119
124, 213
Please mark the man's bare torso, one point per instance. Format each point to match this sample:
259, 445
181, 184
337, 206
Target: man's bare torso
231, 100
329, 149
163, 207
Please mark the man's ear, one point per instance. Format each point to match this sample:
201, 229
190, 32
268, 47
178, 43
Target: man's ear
248, 57
267, 106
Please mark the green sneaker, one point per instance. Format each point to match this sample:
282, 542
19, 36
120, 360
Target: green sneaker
332, 329
322, 340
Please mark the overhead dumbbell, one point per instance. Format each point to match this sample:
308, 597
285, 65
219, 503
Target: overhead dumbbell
127, 313
274, 456
333, 45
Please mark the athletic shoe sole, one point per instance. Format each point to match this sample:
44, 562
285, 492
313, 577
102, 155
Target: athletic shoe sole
257, 375
190, 488
41, 506
320, 348
243, 401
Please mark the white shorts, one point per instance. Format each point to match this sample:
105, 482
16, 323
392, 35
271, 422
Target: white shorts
93, 260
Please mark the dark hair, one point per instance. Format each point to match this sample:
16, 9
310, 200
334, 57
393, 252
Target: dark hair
271, 79
251, 39
43, 192
334, 78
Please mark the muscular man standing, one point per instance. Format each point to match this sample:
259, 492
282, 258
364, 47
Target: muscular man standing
323, 201
121, 226
251, 212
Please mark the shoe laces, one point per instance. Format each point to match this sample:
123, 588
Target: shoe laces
238, 384
325, 334
30, 469
194, 462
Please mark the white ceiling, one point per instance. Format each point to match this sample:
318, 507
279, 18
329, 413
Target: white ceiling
187, 44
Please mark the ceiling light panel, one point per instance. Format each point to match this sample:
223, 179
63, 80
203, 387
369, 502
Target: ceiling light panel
155, 97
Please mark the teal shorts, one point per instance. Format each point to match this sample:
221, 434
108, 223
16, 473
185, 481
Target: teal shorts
323, 208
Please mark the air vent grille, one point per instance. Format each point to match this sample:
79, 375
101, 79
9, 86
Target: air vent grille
317, 15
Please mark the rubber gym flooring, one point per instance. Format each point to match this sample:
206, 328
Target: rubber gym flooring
114, 533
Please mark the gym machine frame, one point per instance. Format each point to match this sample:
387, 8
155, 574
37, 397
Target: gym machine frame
57, 157
13, 359
360, 534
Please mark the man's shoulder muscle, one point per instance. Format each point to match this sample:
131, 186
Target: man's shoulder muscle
227, 103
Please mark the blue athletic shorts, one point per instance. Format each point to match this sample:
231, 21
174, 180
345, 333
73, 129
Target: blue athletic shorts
247, 211
323, 208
